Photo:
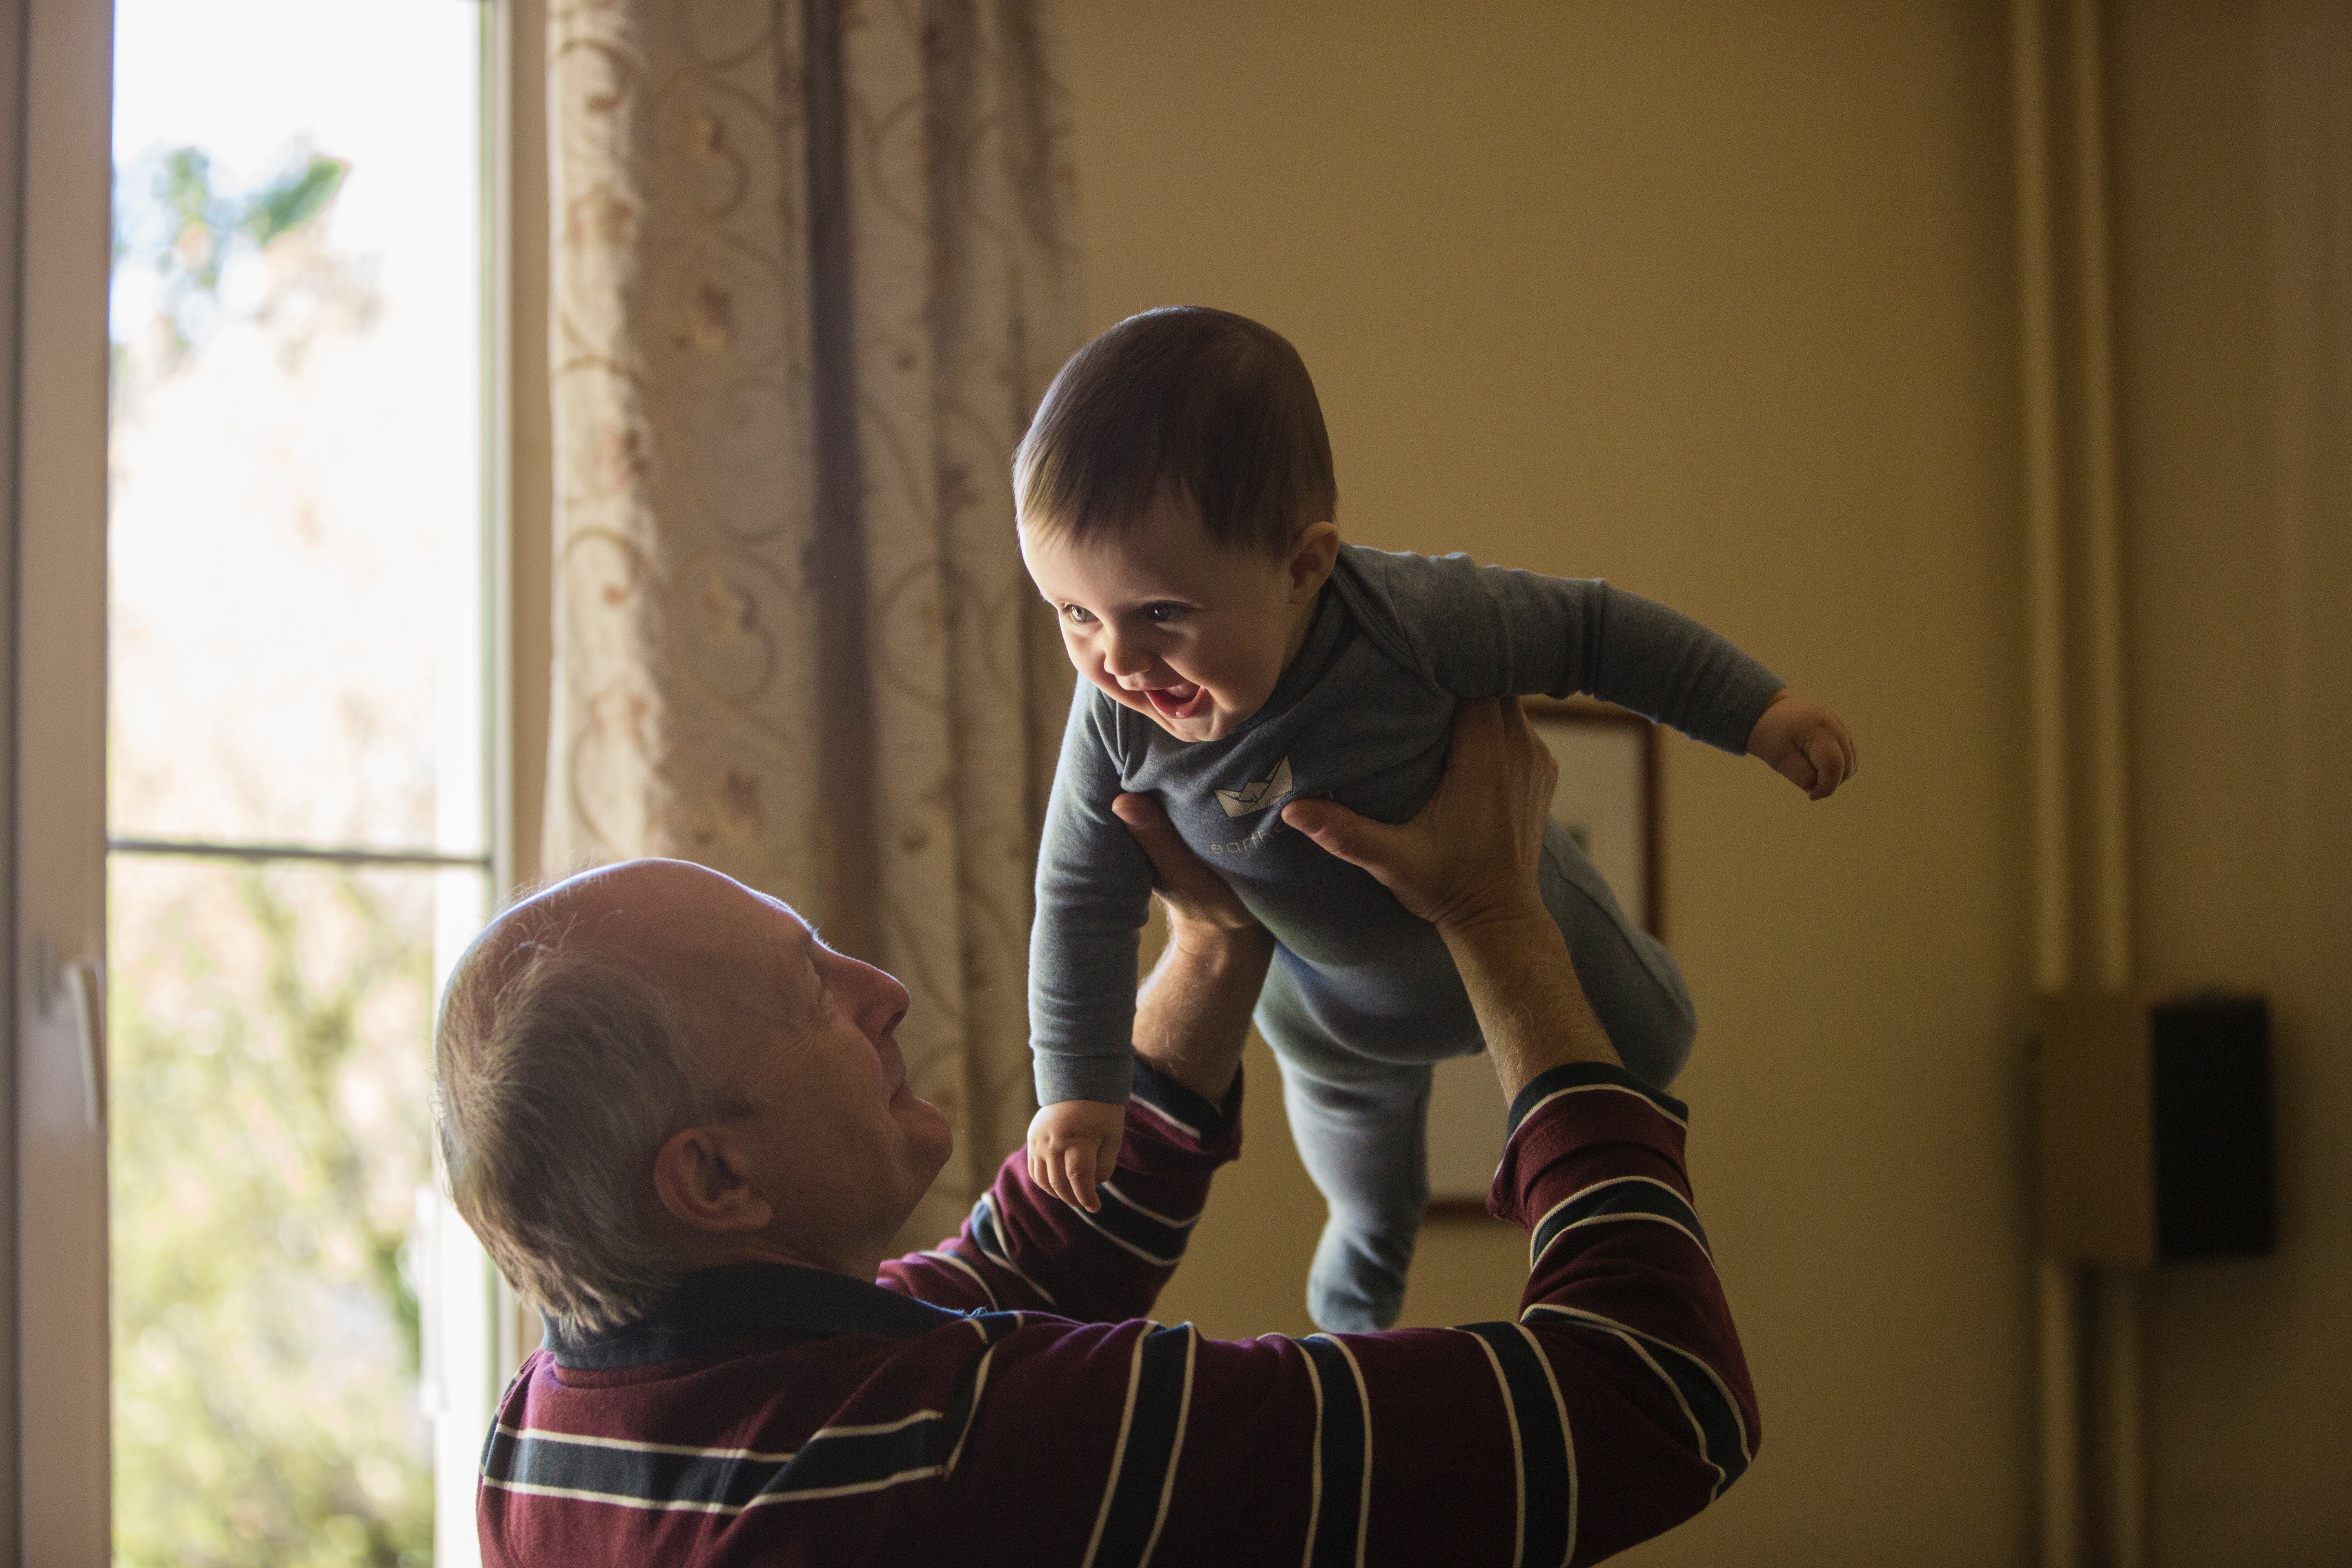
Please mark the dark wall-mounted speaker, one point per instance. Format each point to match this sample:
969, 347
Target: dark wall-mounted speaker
2155, 1127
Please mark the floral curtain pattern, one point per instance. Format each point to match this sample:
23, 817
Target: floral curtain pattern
813, 269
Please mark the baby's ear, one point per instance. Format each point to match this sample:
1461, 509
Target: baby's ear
1313, 554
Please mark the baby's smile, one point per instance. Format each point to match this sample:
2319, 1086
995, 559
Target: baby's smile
1177, 699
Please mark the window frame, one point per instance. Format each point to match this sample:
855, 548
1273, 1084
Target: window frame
55, 221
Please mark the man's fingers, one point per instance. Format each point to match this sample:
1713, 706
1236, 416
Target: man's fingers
1147, 822
1339, 830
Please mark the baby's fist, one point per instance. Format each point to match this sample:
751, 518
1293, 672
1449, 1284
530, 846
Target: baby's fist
1809, 745
1073, 1144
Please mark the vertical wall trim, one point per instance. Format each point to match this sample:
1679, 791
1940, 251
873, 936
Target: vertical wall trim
12, 193
2106, 707
2057, 1338
2118, 1330
2045, 577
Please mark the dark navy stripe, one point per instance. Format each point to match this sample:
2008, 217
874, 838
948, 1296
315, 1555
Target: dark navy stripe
708, 1481
1720, 1429
1719, 1419
1626, 1196
1546, 1481
1133, 1519
1178, 1104
1155, 1238
1343, 1437
1578, 1075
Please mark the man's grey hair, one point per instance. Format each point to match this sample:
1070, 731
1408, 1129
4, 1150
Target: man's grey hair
560, 1070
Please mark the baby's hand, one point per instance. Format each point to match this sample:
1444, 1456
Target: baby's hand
1073, 1144
1809, 745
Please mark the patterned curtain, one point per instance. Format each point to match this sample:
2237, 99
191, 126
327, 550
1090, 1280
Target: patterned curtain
813, 269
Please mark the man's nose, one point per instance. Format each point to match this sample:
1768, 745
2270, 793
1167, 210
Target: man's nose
881, 1000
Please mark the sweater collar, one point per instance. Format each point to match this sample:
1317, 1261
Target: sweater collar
707, 1309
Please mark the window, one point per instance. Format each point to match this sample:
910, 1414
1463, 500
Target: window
299, 768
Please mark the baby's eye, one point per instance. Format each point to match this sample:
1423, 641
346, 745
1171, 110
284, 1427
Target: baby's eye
1164, 613
1080, 614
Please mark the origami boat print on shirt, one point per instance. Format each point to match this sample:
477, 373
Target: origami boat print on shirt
1258, 794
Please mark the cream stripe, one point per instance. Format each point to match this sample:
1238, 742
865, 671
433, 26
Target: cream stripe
1118, 1449
872, 1428
1185, 1128
1585, 1191
1006, 1263
952, 1259
971, 1417
1738, 1416
531, 1488
1315, 1463
1536, 1262
630, 1445
1126, 1246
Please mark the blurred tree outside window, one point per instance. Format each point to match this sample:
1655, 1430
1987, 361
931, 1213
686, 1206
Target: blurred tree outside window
296, 793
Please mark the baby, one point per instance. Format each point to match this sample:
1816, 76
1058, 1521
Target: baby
1176, 505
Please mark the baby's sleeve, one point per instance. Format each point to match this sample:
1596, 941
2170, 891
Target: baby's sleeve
1094, 890
1490, 631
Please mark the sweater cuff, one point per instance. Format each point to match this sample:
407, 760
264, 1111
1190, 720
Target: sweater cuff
1101, 1079
1575, 1075
1188, 1118
1754, 687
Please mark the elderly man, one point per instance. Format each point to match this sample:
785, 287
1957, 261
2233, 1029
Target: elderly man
682, 1125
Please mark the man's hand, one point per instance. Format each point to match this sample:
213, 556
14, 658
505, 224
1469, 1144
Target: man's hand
1073, 1145
1467, 863
1470, 854
1196, 896
1194, 1013
1808, 744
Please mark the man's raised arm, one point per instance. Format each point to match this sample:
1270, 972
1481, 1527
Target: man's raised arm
1022, 1247
1614, 1405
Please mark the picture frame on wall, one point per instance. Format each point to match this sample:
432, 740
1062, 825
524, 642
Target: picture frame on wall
1608, 799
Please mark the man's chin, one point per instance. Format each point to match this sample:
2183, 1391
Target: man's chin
928, 1136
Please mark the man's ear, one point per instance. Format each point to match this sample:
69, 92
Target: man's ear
1313, 554
701, 1182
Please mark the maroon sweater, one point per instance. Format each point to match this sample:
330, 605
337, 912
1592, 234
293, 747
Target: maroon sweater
1001, 1400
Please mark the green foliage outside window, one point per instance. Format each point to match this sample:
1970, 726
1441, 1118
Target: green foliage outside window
268, 1033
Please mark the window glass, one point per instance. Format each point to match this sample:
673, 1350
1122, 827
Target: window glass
295, 469
297, 683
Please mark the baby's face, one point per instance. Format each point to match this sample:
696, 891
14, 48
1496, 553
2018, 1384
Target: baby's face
1192, 633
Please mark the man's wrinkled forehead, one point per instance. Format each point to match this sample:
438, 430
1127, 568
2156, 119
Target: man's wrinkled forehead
716, 947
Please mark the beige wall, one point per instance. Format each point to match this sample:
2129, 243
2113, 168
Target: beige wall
2234, 274
1717, 300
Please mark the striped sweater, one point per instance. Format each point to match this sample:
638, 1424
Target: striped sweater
1003, 1400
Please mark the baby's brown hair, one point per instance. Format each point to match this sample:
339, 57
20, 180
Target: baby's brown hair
1200, 404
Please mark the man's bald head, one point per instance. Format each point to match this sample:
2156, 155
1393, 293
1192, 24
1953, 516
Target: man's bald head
564, 1056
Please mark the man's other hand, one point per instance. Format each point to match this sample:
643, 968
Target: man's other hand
1194, 894
1470, 854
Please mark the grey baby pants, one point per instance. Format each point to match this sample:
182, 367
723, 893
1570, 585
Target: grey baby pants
1357, 1087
